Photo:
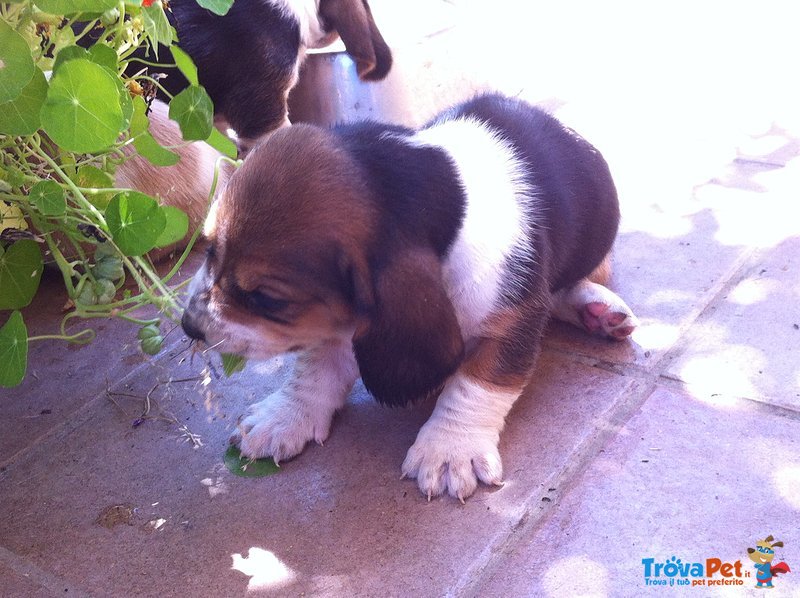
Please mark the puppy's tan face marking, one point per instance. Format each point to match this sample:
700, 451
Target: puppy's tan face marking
277, 275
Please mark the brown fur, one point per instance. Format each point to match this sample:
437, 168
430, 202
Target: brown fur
185, 185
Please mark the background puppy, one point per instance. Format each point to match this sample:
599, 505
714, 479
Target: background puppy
248, 60
425, 262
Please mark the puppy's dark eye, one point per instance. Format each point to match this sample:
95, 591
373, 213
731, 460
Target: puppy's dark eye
266, 303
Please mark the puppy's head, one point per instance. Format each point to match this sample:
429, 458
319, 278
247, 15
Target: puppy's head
295, 261
277, 275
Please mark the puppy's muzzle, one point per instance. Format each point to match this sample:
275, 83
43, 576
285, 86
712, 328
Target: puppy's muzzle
191, 328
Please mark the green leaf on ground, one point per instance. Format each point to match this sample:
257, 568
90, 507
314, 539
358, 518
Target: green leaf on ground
232, 363
21, 115
176, 227
20, 272
16, 63
82, 112
13, 350
193, 110
48, 197
135, 221
248, 468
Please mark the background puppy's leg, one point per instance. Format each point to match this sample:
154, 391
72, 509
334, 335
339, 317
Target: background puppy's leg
301, 411
591, 306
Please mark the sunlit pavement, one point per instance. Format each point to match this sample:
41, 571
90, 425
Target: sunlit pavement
683, 442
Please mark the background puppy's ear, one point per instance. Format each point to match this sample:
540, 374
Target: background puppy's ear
352, 19
412, 342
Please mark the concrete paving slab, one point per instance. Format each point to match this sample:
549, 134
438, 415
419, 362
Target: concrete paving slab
63, 377
337, 520
686, 478
747, 343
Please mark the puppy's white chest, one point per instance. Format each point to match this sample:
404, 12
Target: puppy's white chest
494, 228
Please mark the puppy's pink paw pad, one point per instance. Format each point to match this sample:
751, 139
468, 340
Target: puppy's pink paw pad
611, 321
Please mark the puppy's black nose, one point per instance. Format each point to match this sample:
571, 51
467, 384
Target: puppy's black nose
191, 329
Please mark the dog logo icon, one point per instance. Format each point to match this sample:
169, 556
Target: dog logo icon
762, 555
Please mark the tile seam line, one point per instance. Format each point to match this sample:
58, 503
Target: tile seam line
612, 421
44, 579
77, 416
532, 514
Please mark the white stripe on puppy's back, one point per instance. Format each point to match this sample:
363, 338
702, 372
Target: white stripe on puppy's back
496, 219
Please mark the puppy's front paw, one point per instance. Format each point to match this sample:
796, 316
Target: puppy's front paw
453, 461
278, 427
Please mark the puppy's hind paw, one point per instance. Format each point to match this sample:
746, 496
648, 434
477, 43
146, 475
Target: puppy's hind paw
614, 321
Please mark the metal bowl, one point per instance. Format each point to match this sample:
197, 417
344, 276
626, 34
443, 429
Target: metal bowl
329, 92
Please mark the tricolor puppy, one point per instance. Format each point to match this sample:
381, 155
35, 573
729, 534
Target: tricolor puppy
249, 59
426, 262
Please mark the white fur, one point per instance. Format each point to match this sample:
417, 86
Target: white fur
282, 424
495, 224
457, 446
306, 13
568, 306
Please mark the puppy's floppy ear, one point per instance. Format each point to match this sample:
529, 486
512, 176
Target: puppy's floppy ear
352, 19
412, 342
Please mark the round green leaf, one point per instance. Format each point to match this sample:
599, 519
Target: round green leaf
21, 115
82, 111
48, 197
104, 56
185, 65
218, 7
16, 63
248, 468
71, 7
144, 142
20, 272
13, 350
135, 222
176, 228
91, 177
68, 53
193, 110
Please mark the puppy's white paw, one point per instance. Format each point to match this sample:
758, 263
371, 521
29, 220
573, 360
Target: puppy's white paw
443, 460
280, 428
599, 310
609, 318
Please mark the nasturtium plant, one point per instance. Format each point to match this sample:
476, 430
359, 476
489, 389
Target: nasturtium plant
194, 111
135, 222
13, 350
20, 271
76, 85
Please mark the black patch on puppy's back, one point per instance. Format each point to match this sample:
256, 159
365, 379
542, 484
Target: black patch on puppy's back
416, 189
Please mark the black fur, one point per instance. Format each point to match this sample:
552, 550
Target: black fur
574, 188
413, 344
